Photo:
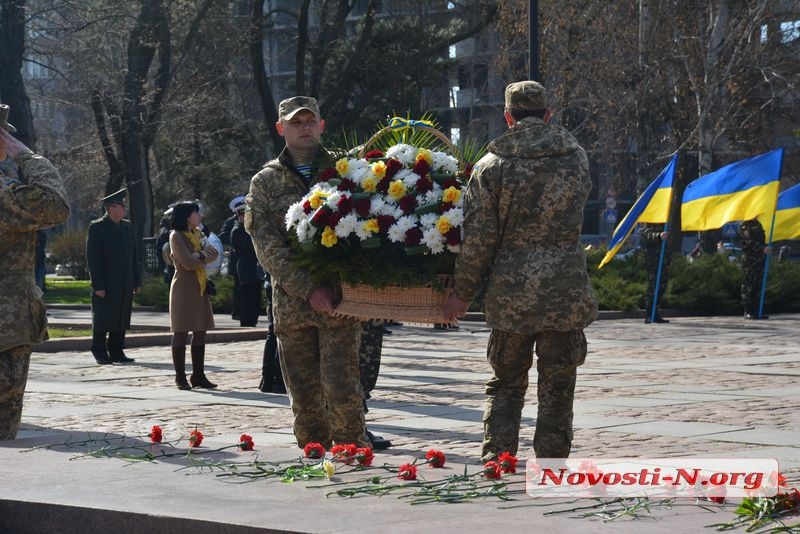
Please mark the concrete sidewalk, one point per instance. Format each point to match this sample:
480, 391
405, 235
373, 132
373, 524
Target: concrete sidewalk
701, 387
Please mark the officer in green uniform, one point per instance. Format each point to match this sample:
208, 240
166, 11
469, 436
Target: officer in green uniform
523, 212
32, 197
116, 275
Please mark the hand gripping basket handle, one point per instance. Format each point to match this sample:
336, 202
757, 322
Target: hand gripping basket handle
396, 124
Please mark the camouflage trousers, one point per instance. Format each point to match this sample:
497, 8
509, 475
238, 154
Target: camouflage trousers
14, 365
369, 356
752, 280
511, 356
320, 369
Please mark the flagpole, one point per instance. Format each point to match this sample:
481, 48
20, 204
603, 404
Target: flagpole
769, 245
658, 274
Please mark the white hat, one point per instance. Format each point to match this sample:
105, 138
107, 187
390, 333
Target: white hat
237, 204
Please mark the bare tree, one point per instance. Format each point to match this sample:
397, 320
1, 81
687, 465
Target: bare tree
12, 86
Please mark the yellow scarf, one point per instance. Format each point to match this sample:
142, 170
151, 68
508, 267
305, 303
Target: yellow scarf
194, 236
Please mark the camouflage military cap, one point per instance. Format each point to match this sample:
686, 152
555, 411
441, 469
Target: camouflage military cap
525, 96
289, 107
4, 124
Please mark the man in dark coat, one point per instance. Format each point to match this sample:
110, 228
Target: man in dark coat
115, 275
225, 236
754, 257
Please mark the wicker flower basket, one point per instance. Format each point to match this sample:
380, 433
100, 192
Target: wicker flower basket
423, 304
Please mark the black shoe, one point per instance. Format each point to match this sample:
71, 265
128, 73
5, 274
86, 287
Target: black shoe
201, 382
377, 442
440, 326
386, 331
120, 358
658, 320
279, 389
102, 359
755, 317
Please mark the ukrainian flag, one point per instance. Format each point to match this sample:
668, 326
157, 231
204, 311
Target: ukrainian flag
652, 206
787, 215
737, 192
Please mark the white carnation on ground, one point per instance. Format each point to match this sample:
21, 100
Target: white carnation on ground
397, 231
444, 163
347, 225
405, 154
433, 239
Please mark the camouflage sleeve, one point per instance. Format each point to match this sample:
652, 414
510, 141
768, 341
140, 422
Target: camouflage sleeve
481, 233
39, 201
651, 233
264, 220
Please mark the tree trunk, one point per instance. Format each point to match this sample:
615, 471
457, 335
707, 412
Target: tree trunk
256, 43
12, 86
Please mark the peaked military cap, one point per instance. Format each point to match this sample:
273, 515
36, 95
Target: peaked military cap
4, 124
525, 96
289, 107
117, 197
237, 204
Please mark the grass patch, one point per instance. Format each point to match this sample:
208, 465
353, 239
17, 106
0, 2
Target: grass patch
68, 332
67, 291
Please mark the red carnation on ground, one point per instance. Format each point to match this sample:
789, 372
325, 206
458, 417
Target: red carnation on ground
407, 472
374, 154
327, 174
508, 462
195, 438
392, 167
246, 442
155, 434
492, 469
314, 450
435, 458
344, 453
364, 456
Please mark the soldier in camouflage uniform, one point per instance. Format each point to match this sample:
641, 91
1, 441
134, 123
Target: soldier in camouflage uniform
523, 213
319, 352
754, 250
652, 236
32, 197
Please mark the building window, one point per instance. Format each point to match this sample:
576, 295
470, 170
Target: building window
790, 31
454, 96
455, 135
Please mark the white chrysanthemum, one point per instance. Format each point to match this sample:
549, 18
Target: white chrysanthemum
378, 205
428, 220
347, 225
362, 232
434, 240
409, 178
430, 197
405, 154
355, 168
397, 231
305, 230
444, 163
294, 214
455, 216
360, 174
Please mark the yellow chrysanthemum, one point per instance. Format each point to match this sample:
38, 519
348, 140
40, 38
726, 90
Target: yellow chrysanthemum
425, 154
397, 189
451, 194
329, 468
369, 184
371, 226
378, 169
329, 237
317, 199
443, 224
342, 166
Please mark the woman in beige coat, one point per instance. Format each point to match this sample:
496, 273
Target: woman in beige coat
189, 302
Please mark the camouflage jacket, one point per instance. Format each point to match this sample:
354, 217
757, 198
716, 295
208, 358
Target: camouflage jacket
753, 239
276, 187
38, 200
522, 222
650, 234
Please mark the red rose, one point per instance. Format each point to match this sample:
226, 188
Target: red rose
408, 203
155, 434
508, 462
407, 472
435, 458
314, 450
421, 167
374, 154
327, 174
492, 469
413, 237
364, 456
195, 438
392, 168
246, 442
